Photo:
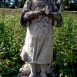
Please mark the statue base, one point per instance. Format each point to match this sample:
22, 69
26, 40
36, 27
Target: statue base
24, 71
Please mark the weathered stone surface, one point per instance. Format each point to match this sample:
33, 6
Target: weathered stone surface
25, 71
38, 47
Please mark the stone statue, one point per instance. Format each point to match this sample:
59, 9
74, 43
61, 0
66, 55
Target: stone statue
39, 16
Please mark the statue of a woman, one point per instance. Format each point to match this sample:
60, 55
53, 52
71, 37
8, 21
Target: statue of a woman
39, 16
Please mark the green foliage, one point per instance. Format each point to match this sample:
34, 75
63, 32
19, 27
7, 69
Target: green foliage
65, 47
15, 4
4, 5
21, 3
12, 38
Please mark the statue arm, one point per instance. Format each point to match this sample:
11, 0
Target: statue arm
54, 15
51, 14
57, 18
31, 15
26, 8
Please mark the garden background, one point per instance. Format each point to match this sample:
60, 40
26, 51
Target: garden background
12, 39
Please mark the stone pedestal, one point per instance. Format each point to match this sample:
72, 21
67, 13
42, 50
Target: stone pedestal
25, 71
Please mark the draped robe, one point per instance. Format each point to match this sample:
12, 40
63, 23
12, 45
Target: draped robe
38, 46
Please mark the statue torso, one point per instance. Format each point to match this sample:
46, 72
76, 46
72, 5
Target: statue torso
38, 5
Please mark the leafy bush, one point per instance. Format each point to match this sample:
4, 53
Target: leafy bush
12, 38
65, 47
4, 5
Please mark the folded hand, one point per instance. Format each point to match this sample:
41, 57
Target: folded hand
46, 10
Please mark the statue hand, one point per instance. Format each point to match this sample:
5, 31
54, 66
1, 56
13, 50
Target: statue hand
46, 10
